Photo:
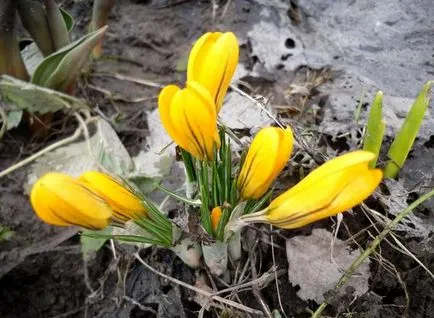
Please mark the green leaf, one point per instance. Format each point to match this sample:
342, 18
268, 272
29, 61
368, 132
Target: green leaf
58, 70
404, 140
14, 119
375, 128
36, 99
68, 19
92, 241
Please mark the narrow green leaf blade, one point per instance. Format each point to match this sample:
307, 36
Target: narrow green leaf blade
404, 140
375, 128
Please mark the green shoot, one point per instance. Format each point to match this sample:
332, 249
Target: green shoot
404, 140
375, 128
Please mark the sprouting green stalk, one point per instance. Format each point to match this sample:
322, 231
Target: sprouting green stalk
373, 245
57, 25
192, 202
204, 196
404, 140
11, 62
100, 14
153, 229
227, 178
260, 203
189, 165
375, 128
34, 19
156, 215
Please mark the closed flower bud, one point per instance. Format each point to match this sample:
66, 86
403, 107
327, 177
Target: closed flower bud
190, 118
59, 199
212, 63
216, 214
334, 187
124, 203
269, 152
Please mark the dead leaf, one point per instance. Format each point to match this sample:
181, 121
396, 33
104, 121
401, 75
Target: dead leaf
312, 268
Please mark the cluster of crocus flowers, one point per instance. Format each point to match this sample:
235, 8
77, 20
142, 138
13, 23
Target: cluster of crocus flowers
267, 156
332, 188
91, 201
189, 115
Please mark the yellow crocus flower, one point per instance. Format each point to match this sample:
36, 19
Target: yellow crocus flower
59, 199
269, 152
216, 214
212, 63
334, 187
190, 118
124, 203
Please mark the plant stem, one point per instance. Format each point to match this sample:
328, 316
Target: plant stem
372, 246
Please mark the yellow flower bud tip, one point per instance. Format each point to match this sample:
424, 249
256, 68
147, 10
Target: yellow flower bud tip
190, 118
267, 156
59, 199
216, 214
332, 188
124, 203
212, 62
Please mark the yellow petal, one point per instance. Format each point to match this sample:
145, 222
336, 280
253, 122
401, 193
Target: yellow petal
164, 101
59, 199
124, 203
196, 120
332, 188
212, 63
216, 214
269, 152
353, 193
199, 53
329, 168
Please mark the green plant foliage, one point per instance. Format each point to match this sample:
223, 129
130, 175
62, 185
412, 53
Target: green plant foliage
375, 128
404, 140
68, 19
36, 99
60, 69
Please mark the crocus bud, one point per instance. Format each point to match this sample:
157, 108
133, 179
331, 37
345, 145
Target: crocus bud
334, 187
124, 203
212, 62
216, 214
269, 152
190, 118
59, 199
